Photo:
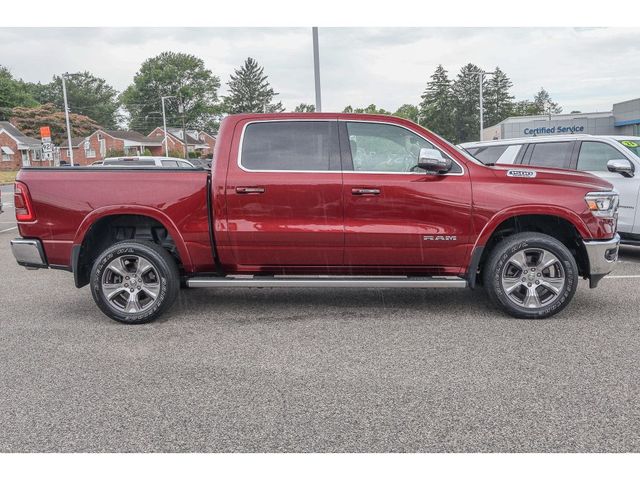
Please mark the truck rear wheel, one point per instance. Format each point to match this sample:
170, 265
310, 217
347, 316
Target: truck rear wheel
134, 281
531, 275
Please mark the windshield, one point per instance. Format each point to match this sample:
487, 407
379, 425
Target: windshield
632, 145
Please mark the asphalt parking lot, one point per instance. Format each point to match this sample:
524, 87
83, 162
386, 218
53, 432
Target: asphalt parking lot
317, 370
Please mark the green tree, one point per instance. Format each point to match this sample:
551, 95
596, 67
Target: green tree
250, 91
13, 93
408, 111
466, 101
498, 101
542, 103
86, 94
436, 108
371, 109
183, 76
523, 108
305, 108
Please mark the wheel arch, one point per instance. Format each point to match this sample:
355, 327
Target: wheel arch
85, 246
562, 224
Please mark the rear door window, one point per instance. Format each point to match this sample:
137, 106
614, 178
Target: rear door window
293, 146
169, 164
594, 156
551, 154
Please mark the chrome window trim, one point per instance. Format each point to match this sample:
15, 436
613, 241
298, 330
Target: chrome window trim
241, 144
341, 171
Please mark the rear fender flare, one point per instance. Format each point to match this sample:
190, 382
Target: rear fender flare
153, 213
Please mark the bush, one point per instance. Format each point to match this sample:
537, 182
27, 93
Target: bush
114, 153
176, 153
194, 155
147, 153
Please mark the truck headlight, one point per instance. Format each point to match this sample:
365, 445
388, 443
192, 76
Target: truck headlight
602, 204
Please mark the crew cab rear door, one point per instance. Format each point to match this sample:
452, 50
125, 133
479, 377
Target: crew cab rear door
284, 194
397, 215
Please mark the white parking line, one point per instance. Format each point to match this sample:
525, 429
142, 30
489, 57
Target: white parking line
622, 276
8, 229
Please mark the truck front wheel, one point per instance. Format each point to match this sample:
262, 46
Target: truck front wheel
531, 275
134, 281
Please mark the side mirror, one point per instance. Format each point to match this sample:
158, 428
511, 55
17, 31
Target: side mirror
622, 166
432, 160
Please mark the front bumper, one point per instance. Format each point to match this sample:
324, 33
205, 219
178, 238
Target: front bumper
603, 255
29, 253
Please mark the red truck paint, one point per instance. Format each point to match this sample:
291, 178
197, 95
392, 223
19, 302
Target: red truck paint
309, 222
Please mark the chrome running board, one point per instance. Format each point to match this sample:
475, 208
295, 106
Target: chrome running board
322, 281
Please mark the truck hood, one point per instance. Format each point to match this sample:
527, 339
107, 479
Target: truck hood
555, 176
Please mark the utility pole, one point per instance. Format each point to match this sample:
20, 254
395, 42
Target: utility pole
164, 122
316, 67
66, 115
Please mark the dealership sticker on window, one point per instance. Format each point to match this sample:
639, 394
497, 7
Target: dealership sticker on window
629, 143
521, 173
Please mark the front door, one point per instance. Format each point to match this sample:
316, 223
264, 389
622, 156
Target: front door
284, 196
396, 215
25, 158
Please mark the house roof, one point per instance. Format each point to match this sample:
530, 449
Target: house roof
20, 137
75, 142
131, 136
177, 132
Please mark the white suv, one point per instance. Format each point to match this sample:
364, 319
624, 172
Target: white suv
614, 158
142, 161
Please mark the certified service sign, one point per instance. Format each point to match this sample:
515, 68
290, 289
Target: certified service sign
521, 173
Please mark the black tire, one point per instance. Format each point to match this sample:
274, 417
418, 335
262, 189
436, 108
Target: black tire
499, 261
167, 280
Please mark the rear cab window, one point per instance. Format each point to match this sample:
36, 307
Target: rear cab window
290, 146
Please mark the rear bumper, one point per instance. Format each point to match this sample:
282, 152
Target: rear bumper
29, 253
603, 255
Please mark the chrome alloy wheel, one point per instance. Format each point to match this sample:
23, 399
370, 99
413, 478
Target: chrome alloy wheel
533, 277
131, 284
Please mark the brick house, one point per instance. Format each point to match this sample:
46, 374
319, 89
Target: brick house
103, 143
209, 140
18, 150
175, 141
77, 143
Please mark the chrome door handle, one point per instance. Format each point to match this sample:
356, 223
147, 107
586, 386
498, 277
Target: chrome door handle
365, 191
249, 190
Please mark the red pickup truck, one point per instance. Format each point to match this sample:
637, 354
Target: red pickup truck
320, 200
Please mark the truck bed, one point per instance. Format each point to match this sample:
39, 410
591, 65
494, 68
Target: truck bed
68, 201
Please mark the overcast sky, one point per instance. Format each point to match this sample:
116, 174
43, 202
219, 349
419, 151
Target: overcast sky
583, 69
